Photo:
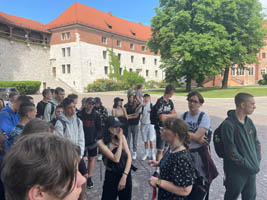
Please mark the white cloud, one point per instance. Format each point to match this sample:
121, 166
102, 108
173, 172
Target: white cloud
264, 5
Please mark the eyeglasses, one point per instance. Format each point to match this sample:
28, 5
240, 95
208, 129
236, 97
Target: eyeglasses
193, 101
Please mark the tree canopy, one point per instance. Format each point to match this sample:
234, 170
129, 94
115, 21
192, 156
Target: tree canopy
194, 39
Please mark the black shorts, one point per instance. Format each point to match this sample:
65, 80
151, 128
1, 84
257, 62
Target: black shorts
82, 167
90, 152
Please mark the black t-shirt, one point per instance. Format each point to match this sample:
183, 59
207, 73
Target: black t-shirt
91, 127
177, 169
40, 109
164, 107
131, 110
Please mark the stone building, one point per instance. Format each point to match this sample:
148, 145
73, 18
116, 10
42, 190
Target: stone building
72, 49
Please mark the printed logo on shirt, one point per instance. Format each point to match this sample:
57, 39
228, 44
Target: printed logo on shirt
88, 123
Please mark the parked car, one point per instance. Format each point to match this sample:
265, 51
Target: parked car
5, 91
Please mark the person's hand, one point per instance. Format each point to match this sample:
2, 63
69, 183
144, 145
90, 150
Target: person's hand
153, 181
203, 141
162, 117
122, 183
153, 163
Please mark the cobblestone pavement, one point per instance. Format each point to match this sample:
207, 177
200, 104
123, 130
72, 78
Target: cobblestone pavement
217, 109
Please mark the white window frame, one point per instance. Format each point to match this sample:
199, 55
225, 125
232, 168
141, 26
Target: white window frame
104, 55
106, 70
69, 51
132, 46
104, 40
118, 43
68, 69
63, 52
263, 71
63, 69
143, 48
63, 36
249, 71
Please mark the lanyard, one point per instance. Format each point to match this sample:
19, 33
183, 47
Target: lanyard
167, 155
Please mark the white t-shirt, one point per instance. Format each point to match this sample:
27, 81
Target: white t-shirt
192, 120
145, 117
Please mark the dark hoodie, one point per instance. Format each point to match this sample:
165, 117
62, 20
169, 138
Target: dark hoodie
242, 152
91, 127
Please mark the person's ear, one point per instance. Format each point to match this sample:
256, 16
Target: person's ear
35, 193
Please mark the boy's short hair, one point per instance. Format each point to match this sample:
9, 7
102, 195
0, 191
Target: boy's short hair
196, 93
72, 96
67, 101
58, 90
241, 98
169, 89
36, 160
45, 92
24, 108
12, 94
59, 106
146, 95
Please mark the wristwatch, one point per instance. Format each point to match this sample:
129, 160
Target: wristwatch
158, 182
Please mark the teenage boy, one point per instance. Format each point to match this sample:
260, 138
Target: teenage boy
92, 130
147, 129
242, 150
27, 111
50, 108
71, 127
164, 109
47, 95
59, 111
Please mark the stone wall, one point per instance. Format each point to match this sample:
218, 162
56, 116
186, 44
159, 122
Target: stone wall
20, 62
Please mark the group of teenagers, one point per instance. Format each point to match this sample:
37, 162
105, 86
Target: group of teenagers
44, 149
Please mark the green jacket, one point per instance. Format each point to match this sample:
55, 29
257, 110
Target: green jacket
242, 152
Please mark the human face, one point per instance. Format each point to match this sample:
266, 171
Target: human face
131, 99
58, 112
48, 95
89, 106
114, 130
167, 135
120, 103
249, 106
13, 99
194, 104
97, 104
147, 99
61, 96
70, 110
32, 114
75, 101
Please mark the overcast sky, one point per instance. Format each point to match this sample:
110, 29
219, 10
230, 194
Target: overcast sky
264, 5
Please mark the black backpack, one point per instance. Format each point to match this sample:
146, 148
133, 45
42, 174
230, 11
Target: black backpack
218, 142
208, 134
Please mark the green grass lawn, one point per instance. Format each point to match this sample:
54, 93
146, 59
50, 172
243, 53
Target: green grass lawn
215, 92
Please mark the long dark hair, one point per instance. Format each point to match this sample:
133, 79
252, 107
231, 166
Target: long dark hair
179, 127
133, 104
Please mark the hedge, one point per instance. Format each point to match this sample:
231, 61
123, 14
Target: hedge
24, 87
103, 85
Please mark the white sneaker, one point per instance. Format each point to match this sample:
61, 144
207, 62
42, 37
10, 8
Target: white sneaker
145, 157
99, 157
134, 155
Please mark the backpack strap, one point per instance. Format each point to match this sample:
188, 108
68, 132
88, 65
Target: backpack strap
200, 118
64, 125
184, 115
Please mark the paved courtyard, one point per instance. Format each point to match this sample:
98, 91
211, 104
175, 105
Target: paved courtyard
217, 109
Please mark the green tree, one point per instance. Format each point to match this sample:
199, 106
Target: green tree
114, 65
243, 21
190, 42
194, 39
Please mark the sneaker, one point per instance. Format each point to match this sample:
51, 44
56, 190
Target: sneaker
134, 155
90, 184
145, 157
99, 157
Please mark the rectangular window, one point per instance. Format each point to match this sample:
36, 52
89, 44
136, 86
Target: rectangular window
155, 61
68, 68
251, 71
106, 69
120, 70
118, 43
63, 52
132, 59
67, 35
132, 46
263, 71
147, 72
143, 48
62, 36
104, 40
240, 72
233, 71
263, 55
119, 56
131, 70
144, 60
63, 69
68, 50
156, 73
105, 54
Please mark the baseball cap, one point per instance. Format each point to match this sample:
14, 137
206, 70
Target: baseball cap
117, 99
113, 122
90, 100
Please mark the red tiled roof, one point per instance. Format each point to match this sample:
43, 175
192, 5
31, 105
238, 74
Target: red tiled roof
81, 14
22, 22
